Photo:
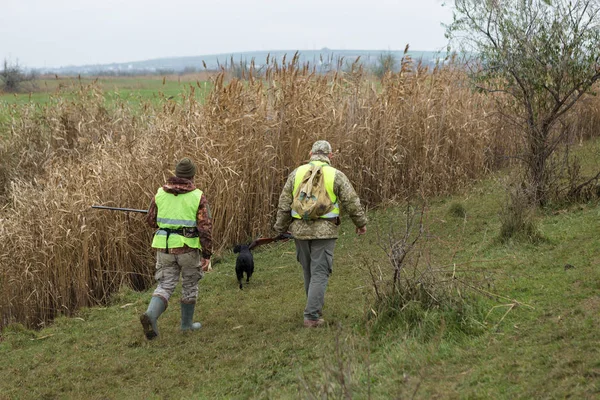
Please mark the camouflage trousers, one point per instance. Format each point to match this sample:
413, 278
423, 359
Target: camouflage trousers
316, 258
168, 269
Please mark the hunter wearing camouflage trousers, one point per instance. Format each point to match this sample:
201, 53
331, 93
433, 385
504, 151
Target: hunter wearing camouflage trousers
315, 239
183, 242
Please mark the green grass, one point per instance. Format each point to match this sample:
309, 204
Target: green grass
128, 88
131, 90
252, 344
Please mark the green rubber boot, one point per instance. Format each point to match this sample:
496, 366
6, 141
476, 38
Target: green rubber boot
149, 319
187, 314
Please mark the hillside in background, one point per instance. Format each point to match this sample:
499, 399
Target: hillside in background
322, 59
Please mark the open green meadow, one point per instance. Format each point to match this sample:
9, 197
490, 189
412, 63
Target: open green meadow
527, 329
129, 90
134, 88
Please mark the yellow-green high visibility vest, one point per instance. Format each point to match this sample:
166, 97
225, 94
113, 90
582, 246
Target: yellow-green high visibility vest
328, 178
176, 212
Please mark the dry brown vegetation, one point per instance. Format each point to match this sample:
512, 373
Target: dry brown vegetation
417, 131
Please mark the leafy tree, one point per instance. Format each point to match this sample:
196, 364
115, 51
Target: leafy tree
542, 54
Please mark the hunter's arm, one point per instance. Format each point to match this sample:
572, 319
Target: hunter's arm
284, 209
349, 200
152, 213
204, 225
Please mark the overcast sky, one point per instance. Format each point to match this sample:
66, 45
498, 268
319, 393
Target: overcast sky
53, 33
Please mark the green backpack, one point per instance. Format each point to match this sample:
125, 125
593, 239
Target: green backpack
311, 200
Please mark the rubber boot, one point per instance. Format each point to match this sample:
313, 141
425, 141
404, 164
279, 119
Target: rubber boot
187, 314
149, 319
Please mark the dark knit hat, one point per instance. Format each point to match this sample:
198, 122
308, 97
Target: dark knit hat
185, 169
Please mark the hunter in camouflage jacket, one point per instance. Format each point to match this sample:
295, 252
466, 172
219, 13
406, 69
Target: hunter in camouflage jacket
318, 229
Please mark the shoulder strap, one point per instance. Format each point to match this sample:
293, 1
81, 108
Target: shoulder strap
309, 182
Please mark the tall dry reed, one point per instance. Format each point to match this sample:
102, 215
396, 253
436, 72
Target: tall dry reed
418, 130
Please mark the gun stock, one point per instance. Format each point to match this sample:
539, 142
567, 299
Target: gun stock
259, 242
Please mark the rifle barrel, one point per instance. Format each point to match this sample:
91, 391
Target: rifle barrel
121, 209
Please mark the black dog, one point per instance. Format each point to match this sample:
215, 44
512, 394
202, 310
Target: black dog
244, 263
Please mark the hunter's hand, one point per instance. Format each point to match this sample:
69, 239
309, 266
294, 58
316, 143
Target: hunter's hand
285, 235
361, 231
205, 265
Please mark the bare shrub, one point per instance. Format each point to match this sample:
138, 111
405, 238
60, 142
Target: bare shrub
12, 77
404, 283
569, 182
412, 291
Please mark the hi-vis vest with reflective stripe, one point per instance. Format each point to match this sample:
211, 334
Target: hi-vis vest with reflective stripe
176, 212
328, 177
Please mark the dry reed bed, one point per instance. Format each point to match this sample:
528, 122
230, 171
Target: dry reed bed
416, 131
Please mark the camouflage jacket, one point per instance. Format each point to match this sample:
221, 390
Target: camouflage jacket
175, 186
318, 229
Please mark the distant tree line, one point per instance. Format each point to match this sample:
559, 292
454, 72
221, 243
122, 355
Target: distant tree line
378, 63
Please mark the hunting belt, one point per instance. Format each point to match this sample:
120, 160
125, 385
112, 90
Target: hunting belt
335, 220
186, 232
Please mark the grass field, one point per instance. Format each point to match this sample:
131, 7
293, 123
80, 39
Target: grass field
536, 337
133, 88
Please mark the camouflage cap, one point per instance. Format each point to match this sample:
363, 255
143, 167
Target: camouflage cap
321, 147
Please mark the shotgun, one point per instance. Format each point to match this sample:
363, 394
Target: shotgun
121, 209
259, 242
